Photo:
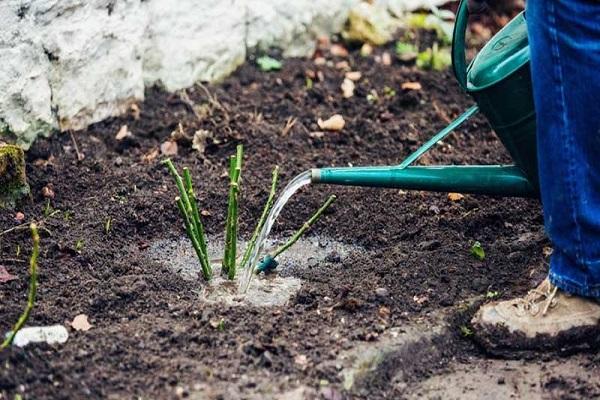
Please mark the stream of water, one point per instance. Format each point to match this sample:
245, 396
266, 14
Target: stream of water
295, 184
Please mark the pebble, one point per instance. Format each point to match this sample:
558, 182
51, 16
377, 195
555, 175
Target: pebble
382, 292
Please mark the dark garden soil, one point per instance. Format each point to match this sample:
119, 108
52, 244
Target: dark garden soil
153, 337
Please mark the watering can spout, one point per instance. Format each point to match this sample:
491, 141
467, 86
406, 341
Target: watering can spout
502, 180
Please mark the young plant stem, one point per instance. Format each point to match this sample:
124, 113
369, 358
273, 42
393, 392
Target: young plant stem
32, 287
304, 227
202, 256
263, 217
199, 228
191, 217
235, 171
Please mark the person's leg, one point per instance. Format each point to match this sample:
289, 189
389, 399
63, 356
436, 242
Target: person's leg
564, 38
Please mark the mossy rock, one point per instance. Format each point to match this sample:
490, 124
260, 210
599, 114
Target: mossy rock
13, 181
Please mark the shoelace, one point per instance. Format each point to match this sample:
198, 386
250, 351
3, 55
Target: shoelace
530, 303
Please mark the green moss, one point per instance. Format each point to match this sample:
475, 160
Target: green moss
13, 181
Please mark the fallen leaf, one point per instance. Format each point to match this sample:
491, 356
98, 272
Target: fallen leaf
384, 312
47, 192
199, 140
169, 148
353, 75
420, 299
179, 134
342, 65
338, 50
386, 58
335, 123
455, 196
347, 88
320, 61
205, 213
135, 111
301, 360
411, 86
80, 323
19, 216
151, 155
123, 133
366, 50
5, 276
40, 162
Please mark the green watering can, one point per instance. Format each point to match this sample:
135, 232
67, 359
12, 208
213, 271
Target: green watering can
499, 80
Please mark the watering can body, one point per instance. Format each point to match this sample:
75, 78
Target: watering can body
499, 81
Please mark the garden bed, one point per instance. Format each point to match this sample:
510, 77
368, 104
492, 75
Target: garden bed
402, 290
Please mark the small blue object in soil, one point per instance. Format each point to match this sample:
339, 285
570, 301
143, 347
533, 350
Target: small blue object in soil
267, 264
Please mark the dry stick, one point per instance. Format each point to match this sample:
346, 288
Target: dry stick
202, 257
32, 287
263, 217
304, 227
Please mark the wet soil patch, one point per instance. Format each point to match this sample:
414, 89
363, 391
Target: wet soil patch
152, 334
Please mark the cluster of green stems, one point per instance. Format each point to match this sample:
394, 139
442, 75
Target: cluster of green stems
188, 208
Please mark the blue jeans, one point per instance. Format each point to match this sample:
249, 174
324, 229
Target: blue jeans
564, 38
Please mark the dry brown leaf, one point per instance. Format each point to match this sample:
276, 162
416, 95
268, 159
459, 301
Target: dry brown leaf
301, 360
5, 276
47, 192
135, 111
334, 123
169, 148
179, 134
200, 139
338, 50
347, 88
320, 61
80, 323
342, 65
151, 155
353, 75
386, 58
366, 50
455, 196
384, 312
411, 86
123, 133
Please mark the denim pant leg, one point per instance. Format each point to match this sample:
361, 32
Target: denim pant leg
564, 40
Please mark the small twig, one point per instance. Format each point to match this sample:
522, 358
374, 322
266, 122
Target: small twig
441, 113
32, 287
304, 227
289, 124
80, 155
263, 217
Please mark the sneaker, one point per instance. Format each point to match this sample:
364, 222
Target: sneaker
545, 319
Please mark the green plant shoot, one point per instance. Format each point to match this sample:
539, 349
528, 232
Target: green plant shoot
266, 64
477, 251
231, 227
33, 272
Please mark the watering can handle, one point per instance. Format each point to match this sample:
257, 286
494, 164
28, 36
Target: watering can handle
459, 59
